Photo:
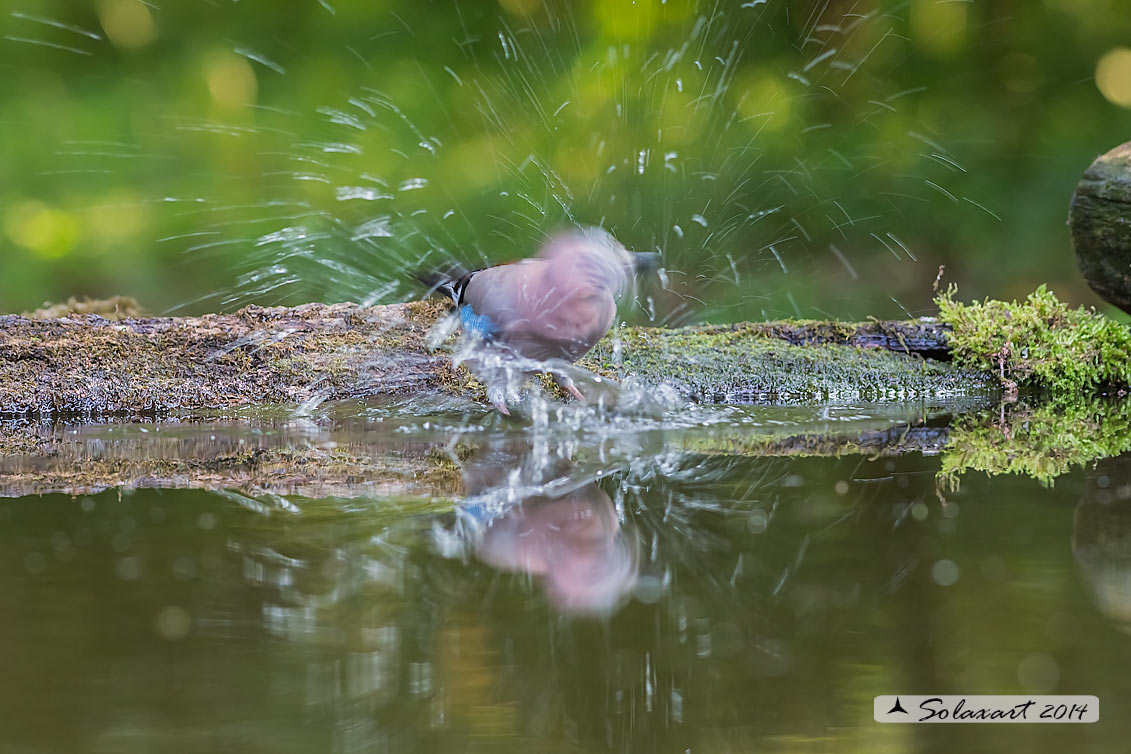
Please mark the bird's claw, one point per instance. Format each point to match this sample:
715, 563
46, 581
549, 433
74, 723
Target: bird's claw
568, 385
498, 396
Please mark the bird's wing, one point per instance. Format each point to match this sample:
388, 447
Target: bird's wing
495, 296
543, 308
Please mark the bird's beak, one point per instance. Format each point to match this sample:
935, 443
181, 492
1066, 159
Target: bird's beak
646, 261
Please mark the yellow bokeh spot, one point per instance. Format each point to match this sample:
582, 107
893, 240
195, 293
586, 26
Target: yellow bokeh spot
521, 7
473, 162
765, 101
45, 230
577, 164
117, 220
128, 23
938, 27
636, 19
627, 19
231, 80
1113, 76
1081, 7
679, 123
593, 96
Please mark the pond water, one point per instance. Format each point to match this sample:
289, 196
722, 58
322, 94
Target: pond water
710, 584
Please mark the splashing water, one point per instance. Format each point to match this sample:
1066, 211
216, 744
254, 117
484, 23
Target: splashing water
728, 139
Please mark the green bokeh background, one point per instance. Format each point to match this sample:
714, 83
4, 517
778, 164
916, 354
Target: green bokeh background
789, 157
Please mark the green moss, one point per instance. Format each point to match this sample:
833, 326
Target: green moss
1042, 442
1040, 342
742, 363
1071, 355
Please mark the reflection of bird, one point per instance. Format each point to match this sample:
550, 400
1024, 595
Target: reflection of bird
556, 305
588, 563
539, 514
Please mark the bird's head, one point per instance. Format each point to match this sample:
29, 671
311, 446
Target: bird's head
602, 259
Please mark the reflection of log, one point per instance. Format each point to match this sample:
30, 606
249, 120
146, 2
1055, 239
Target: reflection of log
348, 459
886, 442
257, 458
84, 364
1101, 538
1100, 221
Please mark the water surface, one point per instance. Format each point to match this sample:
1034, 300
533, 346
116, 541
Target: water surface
612, 588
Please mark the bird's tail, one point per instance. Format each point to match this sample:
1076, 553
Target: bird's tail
444, 280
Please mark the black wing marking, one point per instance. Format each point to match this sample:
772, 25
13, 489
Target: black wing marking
450, 283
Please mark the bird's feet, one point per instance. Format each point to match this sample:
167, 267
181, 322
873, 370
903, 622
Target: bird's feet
497, 395
503, 390
567, 384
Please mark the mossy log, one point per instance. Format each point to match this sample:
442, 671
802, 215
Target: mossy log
1100, 221
84, 364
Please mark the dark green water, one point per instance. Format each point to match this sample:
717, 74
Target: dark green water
663, 602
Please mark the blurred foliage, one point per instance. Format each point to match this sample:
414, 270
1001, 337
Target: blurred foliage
789, 157
1040, 343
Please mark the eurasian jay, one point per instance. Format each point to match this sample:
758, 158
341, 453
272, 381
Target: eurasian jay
556, 305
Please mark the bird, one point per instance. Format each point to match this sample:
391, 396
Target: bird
556, 305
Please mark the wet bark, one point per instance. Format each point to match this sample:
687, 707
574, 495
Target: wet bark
84, 364
924, 337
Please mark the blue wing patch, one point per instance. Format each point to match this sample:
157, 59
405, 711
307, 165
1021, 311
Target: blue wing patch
479, 324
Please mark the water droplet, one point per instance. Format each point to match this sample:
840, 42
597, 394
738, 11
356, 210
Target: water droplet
378, 227
184, 568
173, 623
128, 569
944, 572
